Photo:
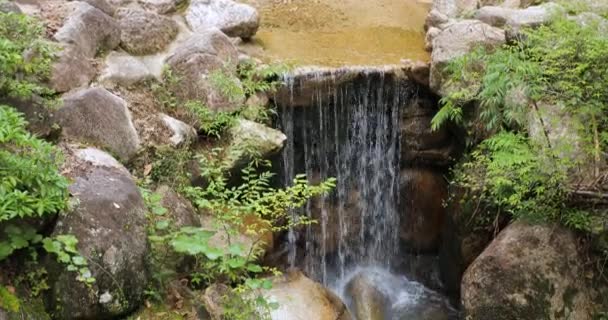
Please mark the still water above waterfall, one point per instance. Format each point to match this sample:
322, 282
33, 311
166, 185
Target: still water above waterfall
345, 123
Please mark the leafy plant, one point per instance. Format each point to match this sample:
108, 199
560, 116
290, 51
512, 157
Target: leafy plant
8, 300
64, 248
25, 57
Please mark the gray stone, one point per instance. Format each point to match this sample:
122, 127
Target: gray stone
145, 32
528, 272
195, 59
456, 40
518, 18
435, 18
431, 34
90, 30
182, 133
96, 116
179, 210
592, 19
368, 301
248, 135
72, 69
163, 6
99, 158
109, 222
124, 70
234, 19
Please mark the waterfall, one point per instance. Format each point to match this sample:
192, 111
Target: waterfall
344, 123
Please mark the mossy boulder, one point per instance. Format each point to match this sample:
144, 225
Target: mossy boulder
528, 272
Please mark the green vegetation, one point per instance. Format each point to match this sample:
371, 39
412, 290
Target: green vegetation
25, 57
563, 64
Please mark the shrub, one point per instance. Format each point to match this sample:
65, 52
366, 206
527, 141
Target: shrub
25, 57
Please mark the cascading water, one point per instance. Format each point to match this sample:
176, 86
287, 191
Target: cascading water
349, 132
344, 123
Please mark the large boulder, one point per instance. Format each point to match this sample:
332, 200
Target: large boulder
8, 7
109, 221
72, 69
90, 30
457, 40
423, 193
97, 116
233, 18
516, 19
454, 8
528, 272
195, 59
181, 133
145, 32
102, 5
301, 298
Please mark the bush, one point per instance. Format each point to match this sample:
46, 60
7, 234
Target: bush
25, 57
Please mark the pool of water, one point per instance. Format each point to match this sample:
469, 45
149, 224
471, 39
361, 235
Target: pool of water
341, 32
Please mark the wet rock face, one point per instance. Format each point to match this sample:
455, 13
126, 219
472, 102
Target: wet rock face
144, 32
109, 222
420, 144
234, 19
528, 272
99, 117
423, 192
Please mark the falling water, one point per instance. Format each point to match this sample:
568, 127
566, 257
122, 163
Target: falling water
348, 130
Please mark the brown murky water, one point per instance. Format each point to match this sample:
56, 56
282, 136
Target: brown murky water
341, 32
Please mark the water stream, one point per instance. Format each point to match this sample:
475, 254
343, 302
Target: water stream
347, 127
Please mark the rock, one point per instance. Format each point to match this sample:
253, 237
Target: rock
145, 32
431, 34
591, 19
90, 30
417, 71
423, 192
195, 59
454, 8
421, 144
563, 133
8, 7
71, 70
301, 298
516, 19
434, 19
180, 210
109, 222
96, 116
182, 133
163, 6
528, 272
248, 135
462, 239
456, 40
368, 302
102, 5
514, 4
233, 18
124, 70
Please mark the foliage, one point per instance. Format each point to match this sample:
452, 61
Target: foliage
520, 179
64, 248
561, 62
8, 300
30, 184
251, 210
250, 80
25, 57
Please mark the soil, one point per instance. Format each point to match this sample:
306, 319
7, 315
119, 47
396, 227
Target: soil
341, 32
